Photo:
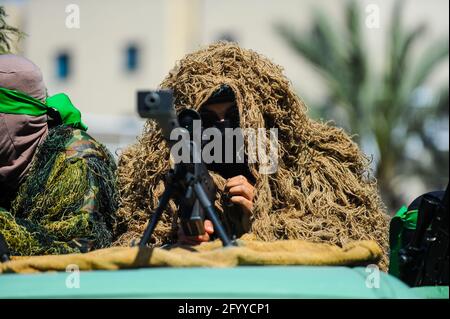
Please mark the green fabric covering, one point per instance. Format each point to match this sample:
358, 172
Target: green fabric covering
402, 220
15, 102
69, 114
68, 200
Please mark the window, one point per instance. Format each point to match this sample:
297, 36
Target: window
132, 58
63, 65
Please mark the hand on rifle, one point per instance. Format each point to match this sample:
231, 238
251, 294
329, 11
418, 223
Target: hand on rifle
242, 193
195, 240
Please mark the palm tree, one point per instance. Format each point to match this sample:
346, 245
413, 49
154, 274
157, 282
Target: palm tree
7, 33
384, 108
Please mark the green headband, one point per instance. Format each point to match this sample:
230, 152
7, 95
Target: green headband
15, 102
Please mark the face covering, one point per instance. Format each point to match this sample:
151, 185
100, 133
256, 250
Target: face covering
20, 136
236, 166
20, 74
24, 113
20, 132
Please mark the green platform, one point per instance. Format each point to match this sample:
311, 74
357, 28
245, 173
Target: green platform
240, 282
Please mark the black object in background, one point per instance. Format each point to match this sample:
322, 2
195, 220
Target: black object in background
425, 260
4, 250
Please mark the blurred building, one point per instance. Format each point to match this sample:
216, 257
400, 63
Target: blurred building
122, 46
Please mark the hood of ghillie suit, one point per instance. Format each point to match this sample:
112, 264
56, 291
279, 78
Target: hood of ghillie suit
322, 190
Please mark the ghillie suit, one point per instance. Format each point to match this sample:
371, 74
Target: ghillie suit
67, 202
322, 190
57, 184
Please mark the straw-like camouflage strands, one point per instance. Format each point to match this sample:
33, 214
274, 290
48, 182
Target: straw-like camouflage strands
67, 202
323, 190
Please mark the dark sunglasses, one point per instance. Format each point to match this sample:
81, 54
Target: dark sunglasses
210, 118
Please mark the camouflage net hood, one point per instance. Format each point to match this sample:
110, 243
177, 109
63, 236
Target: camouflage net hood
67, 202
322, 190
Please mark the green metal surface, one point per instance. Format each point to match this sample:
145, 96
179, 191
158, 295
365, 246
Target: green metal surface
435, 292
239, 282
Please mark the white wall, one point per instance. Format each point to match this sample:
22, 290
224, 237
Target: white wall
168, 29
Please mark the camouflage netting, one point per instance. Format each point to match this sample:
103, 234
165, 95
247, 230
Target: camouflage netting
322, 191
68, 200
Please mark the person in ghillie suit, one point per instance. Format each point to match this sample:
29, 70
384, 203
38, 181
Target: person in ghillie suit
322, 191
57, 183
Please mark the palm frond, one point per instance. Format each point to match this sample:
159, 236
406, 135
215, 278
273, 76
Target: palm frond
378, 105
432, 56
7, 33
